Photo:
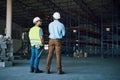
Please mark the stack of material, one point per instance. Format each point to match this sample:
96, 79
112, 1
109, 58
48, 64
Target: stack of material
6, 51
80, 54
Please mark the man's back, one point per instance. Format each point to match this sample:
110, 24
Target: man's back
34, 31
56, 30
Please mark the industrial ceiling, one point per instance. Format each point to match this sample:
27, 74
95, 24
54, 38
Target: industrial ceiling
24, 11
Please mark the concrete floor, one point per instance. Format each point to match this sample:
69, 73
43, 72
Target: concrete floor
91, 68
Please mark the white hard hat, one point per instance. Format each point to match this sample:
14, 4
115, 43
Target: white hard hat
56, 15
36, 19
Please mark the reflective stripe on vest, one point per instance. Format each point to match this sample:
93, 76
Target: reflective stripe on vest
34, 36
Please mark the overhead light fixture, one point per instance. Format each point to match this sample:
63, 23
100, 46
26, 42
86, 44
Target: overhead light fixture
76, 40
107, 29
74, 31
76, 44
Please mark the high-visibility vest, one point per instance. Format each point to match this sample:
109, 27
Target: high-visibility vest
34, 36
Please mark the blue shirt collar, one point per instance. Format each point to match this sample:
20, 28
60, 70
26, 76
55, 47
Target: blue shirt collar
56, 20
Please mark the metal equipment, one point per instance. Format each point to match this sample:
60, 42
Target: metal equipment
6, 49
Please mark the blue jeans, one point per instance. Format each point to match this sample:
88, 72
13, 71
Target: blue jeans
34, 60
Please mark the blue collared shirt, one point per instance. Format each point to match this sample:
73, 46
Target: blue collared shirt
56, 30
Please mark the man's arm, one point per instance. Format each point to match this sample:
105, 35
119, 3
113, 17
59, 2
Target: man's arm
41, 36
42, 39
63, 31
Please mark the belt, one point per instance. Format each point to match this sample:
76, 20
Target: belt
55, 39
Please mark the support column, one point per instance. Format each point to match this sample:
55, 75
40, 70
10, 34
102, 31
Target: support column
9, 18
101, 22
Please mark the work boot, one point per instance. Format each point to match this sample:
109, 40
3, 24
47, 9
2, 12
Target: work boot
60, 72
48, 71
32, 70
38, 71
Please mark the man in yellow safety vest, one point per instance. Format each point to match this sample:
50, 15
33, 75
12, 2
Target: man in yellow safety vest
36, 41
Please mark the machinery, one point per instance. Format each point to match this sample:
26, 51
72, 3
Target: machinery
6, 49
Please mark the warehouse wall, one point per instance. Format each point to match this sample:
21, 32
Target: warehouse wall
2, 26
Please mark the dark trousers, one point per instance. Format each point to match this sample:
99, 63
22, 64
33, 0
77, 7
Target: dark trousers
54, 44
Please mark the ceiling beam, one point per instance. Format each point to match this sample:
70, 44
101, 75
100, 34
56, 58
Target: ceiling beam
84, 6
51, 5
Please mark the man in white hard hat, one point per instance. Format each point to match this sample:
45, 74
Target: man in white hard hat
36, 41
57, 31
